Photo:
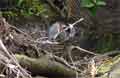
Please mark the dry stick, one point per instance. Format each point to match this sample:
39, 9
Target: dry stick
56, 8
81, 19
73, 24
13, 59
92, 68
63, 61
18, 30
84, 50
43, 42
70, 56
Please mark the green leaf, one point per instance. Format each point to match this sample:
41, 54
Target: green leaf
30, 11
93, 10
95, 1
87, 3
100, 3
19, 2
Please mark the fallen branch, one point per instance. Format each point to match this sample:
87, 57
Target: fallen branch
44, 66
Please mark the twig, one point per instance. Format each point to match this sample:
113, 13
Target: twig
11, 56
69, 49
84, 50
44, 42
81, 19
20, 31
61, 60
92, 68
73, 24
56, 8
71, 59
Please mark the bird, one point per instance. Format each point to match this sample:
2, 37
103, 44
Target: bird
60, 32
55, 30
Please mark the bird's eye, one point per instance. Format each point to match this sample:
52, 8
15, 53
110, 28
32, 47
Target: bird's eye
64, 27
68, 30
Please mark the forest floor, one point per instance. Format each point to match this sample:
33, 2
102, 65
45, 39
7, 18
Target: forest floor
25, 52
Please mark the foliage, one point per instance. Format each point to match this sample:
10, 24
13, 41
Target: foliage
106, 43
92, 5
41, 8
109, 65
29, 8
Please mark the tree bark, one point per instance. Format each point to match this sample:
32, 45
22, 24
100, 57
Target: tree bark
45, 67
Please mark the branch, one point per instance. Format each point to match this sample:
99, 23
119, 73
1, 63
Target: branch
44, 66
84, 50
55, 8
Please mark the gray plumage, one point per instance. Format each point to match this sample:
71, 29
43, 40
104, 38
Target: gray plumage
60, 32
56, 31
